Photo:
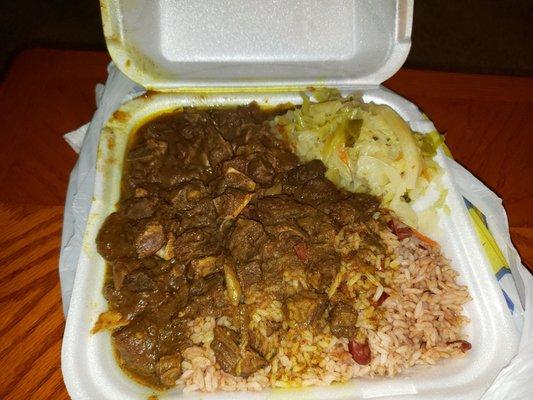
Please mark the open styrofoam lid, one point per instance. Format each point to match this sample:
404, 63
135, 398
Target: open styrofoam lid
172, 44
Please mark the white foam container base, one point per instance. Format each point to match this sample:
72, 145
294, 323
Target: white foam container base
91, 372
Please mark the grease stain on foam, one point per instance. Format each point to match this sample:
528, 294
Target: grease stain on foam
111, 143
113, 40
121, 116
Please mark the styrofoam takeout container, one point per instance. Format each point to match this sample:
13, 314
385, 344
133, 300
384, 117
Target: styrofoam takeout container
267, 52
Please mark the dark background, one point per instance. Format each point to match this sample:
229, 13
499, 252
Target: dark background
476, 36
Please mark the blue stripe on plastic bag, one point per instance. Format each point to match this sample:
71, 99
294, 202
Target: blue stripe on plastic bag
492, 251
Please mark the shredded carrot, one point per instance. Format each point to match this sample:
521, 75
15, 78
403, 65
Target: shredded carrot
424, 238
343, 156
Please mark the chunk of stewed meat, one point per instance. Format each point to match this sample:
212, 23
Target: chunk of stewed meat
201, 214
318, 228
167, 251
195, 243
128, 303
139, 281
201, 267
140, 207
179, 287
187, 195
251, 362
249, 274
246, 240
239, 163
149, 152
168, 369
316, 191
306, 308
202, 286
145, 161
306, 172
150, 239
122, 268
208, 297
230, 204
228, 121
169, 176
232, 178
343, 319
261, 170
287, 230
359, 207
265, 342
322, 271
225, 345
281, 208
143, 347
232, 359
137, 347
218, 148
112, 241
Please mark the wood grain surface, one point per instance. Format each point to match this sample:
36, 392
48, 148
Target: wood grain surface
488, 126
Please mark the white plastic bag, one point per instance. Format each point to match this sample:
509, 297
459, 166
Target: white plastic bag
514, 381
488, 216
117, 89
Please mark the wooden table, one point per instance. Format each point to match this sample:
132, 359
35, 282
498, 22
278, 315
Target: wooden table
488, 126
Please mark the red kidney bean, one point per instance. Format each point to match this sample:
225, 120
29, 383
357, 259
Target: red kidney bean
384, 296
464, 346
360, 352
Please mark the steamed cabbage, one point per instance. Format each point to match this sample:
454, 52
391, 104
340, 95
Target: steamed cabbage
366, 147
